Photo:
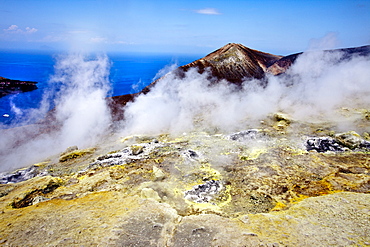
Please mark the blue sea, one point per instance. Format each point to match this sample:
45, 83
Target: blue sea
127, 70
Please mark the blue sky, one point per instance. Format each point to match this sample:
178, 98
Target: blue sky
191, 26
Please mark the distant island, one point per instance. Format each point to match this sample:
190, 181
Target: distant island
9, 86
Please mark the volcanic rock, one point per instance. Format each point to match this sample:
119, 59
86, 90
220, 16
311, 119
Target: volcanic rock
19, 175
8, 86
352, 140
340, 142
283, 64
234, 63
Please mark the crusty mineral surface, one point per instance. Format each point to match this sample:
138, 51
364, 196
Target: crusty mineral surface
257, 187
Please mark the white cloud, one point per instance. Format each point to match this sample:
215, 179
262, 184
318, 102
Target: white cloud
16, 29
207, 11
98, 39
12, 28
31, 30
121, 42
329, 41
79, 31
53, 38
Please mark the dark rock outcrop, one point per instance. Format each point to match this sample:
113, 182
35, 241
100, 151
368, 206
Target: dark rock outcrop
323, 144
8, 86
19, 175
338, 143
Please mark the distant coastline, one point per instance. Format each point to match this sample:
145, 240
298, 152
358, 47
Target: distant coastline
10, 86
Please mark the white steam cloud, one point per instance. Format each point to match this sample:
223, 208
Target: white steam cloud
313, 89
329, 41
81, 114
81, 106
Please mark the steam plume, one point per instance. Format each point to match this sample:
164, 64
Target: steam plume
314, 88
81, 114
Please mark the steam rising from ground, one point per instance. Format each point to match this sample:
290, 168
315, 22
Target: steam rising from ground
81, 114
81, 106
324, 82
313, 89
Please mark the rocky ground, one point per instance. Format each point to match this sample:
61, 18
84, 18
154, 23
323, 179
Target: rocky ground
281, 184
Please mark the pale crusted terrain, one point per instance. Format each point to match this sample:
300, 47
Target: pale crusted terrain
108, 219
252, 188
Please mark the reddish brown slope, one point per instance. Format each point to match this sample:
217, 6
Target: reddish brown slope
235, 62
